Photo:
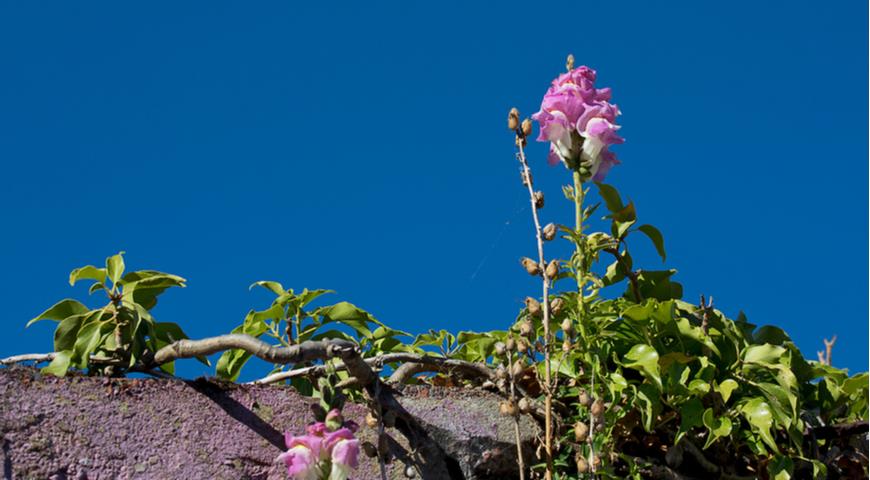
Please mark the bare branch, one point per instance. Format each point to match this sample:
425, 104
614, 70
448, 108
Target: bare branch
303, 352
28, 357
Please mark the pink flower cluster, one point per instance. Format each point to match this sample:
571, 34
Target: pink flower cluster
580, 123
324, 452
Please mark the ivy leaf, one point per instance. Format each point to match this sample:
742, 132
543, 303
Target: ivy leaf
645, 359
717, 427
725, 388
656, 238
760, 417
60, 310
88, 272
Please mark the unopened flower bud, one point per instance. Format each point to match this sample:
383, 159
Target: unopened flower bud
527, 127
549, 232
566, 346
597, 408
531, 266
569, 62
539, 199
499, 348
582, 464
568, 326
583, 398
507, 408
533, 306
334, 420
526, 328
552, 270
581, 432
513, 119
556, 305
525, 405
510, 344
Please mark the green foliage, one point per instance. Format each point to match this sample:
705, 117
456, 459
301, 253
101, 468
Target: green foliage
116, 336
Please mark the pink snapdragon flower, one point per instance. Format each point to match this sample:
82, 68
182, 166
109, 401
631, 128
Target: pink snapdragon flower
579, 122
324, 452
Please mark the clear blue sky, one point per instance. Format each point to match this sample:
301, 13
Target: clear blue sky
362, 147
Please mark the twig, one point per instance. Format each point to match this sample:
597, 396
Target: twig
303, 352
29, 357
825, 358
548, 402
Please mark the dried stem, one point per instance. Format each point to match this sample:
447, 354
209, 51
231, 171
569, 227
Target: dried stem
548, 403
825, 357
28, 357
513, 393
303, 352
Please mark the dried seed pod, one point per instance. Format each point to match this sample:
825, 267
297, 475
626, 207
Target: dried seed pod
549, 232
510, 344
582, 464
556, 305
527, 127
525, 405
567, 346
596, 462
581, 432
513, 119
507, 408
520, 141
501, 373
526, 328
371, 420
569, 62
552, 269
539, 199
531, 266
533, 306
369, 449
522, 347
583, 398
597, 407
410, 471
500, 348
568, 327
517, 368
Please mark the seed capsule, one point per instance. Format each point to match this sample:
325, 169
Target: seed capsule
549, 232
510, 344
500, 348
596, 462
556, 305
552, 269
526, 328
597, 408
517, 368
539, 199
522, 347
581, 432
513, 119
569, 62
583, 398
582, 464
527, 127
525, 405
531, 266
533, 306
507, 408
568, 327
371, 420
566, 346
501, 373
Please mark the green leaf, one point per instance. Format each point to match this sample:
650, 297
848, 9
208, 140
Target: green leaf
690, 417
645, 359
66, 332
717, 427
610, 196
308, 296
88, 272
767, 354
59, 366
146, 290
780, 468
656, 238
60, 310
725, 388
115, 267
273, 287
87, 339
95, 287
760, 417
350, 315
